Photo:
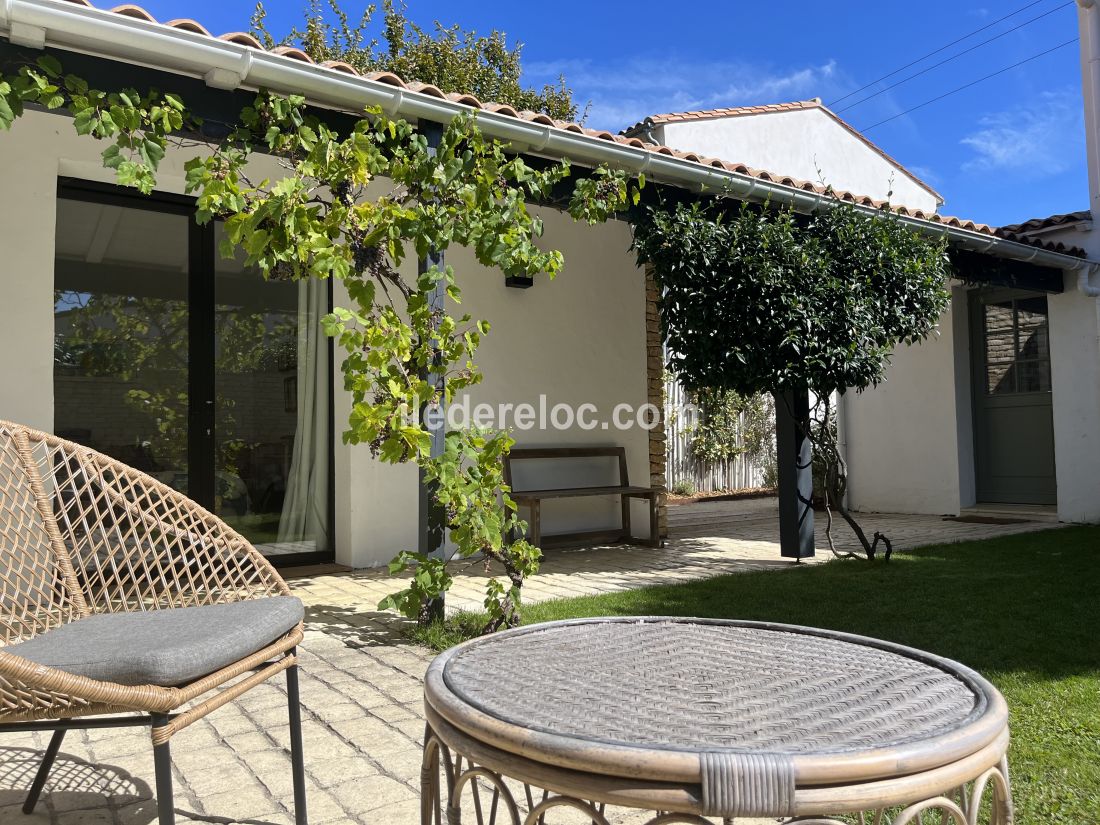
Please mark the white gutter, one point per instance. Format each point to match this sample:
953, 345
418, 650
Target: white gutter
224, 65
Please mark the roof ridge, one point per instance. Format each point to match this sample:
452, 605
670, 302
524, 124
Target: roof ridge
724, 111
194, 28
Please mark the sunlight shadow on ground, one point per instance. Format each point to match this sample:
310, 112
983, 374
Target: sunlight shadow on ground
74, 785
358, 627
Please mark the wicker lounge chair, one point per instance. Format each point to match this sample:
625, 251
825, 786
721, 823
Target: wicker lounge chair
118, 595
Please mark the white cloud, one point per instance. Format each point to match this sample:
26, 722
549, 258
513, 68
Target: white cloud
625, 92
1041, 138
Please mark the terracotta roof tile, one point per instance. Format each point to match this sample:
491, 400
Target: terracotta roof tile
292, 53
626, 138
464, 99
243, 39
389, 78
537, 117
1036, 224
729, 111
137, 12
187, 24
430, 90
340, 66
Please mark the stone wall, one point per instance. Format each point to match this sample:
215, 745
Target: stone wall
655, 369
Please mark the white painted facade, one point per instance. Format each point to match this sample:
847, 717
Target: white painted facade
578, 339
910, 441
810, 144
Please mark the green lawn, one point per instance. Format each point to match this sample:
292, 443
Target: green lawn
1023, 610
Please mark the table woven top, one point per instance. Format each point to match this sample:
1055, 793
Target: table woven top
690, 685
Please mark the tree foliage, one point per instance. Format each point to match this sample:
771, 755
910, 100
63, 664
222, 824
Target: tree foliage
449, 57
404, 353
759, 299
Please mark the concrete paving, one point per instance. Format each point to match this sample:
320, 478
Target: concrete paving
361, 689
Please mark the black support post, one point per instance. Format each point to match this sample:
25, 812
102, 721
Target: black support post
162, 763
795, 459
432, 527
297, 752
44, 770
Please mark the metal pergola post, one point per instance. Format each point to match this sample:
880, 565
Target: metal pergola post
795, 459
432, 528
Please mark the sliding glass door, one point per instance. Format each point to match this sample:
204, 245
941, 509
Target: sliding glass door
271, 401
193, 368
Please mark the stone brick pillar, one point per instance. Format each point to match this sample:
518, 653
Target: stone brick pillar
655, 374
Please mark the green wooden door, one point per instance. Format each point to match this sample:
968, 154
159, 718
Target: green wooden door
1013, 424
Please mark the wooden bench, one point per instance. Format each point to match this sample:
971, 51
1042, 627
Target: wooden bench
532, 499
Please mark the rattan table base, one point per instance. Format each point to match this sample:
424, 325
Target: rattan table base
928, 746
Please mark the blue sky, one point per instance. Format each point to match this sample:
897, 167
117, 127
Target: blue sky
1004, 150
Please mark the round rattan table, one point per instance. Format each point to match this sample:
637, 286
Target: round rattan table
694, 718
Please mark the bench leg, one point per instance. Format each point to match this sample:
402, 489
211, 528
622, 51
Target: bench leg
162, 763
627, 537
43, 770
297, 753
536, 523
654, 522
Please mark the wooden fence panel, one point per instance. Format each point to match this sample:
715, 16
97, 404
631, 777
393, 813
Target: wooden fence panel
736, 473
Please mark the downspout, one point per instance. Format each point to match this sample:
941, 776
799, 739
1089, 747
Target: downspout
1089, 21
1090, 43
1093, 292
432, 522
1083, 282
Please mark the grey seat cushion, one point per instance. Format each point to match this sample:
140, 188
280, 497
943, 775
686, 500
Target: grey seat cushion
163, 647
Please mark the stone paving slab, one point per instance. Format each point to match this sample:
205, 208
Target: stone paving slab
707, 539
361, 691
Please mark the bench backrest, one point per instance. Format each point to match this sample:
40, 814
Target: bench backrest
532, 453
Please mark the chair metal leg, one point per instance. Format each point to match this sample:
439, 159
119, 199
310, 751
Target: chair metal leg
43, 770
297, 755
162, 762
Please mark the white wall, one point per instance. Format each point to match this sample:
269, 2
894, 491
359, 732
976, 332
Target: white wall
910, 441
579, 339
1075, 384
902, 437
29, 178
798, 143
